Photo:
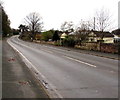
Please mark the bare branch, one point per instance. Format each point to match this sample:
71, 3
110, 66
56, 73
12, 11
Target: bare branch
102, 19
67, 26
34, 22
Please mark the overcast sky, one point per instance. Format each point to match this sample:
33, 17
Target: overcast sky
55, 12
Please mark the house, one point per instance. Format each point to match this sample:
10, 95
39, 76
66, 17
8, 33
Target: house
63, 36
116, 34
96, 36
38, 36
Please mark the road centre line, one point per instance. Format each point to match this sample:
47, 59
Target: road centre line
71, 58
41, 49
79, 61
46, 51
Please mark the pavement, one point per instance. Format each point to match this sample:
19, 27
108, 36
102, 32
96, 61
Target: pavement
17, 80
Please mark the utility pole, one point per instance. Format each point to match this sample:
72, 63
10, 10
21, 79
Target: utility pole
119, 14
94, 24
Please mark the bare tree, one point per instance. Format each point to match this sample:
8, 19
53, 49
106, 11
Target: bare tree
23, 28
34, 23
82, 31
102, 20
67, 26
1, 4
84, 25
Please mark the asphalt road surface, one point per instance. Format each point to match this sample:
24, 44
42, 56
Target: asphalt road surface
18, 82
70, 74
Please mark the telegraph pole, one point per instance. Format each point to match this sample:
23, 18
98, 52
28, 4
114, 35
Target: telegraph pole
94, 24
119, 14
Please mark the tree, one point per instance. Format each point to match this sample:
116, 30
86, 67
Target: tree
55, 36
23, 28
34, 23
102, 20
45, 36
6, 29
67, 26
84, 25
15, 31
82, 31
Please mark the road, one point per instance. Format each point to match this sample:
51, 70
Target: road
18, 82
70, 74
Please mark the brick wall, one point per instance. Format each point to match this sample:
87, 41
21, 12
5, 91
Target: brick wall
111, 48
103, 47
89, 46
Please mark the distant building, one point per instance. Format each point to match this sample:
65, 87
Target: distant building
38, 36
64, 35
95, 36
116, 34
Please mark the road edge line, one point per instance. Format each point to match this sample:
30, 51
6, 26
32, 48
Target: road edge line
43, 86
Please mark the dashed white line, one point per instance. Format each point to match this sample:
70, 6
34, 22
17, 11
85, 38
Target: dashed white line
80, 61
46, 51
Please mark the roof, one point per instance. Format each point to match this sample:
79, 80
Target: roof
63, 35
102, 34
116, 32
72, 33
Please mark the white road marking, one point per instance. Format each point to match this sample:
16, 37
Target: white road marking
41, 49
80, 61
67, 57
46, 51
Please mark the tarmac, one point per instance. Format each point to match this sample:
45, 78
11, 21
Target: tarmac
18, 82
90, 52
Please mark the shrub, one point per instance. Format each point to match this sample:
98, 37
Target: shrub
46, 35
70, 42
57, 43
25, 36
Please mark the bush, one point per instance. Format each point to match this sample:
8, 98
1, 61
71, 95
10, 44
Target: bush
70, 42
57, 43
25, 37
46, 35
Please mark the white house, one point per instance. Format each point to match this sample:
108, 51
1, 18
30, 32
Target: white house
95, 36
